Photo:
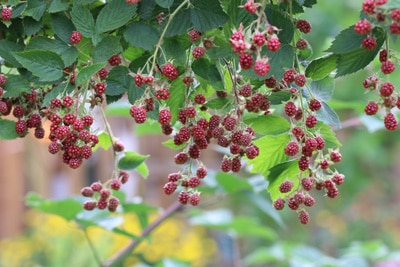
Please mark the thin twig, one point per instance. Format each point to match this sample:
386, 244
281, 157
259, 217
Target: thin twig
92, 248
135, 242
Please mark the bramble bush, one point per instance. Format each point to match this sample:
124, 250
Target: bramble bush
235, 74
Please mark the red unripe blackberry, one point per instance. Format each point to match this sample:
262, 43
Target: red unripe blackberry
304, 217
69, 119
390, 122
86, 152
174, 177
307, 183
96, 186
270, 82
311, 121
93, 140
195, 199
252, 152
198, 52
246, 139
194, 151
324, 164
300, 80
87, 120
236, 164
304, 26
138, 114
194, 182
279, 204
1, 92
183, 134
181, 158
78, 125
314, 105
102, 73
164, 117
201, 172
395, 14
273, 44
39, 132
380, 2
18, 111
335, 156
200, 99
190, 112
113, 204
6, 14
118, 146
302, 44
289, 75
309, 201
214, 122
229, 123
292, 204
99, 88
67, 101
362, 27
34, 121
87, 191
21, 127
104, 193
286, 186
370, 83
75, 163
245, 61
387, 67
311, 144
226, 165
194, 35
162, 94
338, 178
183, 197
304, 163
115, 60
290, 109
169, 188
394, 27
320, 142
54, 147
198, 132
291, 149
75, 37
245, 90
383, 55
371, 108
259, 39
188, 80
332, 193
235, 149
102, 204
3, 79
170, 71
368, 6
261, 67
115, 184
89, 205
369, 43
299, 197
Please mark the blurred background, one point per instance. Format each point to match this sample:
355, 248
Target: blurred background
361, 227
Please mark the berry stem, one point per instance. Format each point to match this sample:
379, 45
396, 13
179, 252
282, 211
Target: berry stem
135, 242
111, 136
92, 248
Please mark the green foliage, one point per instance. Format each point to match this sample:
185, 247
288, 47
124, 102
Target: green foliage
279, 173
131, 160
7, 131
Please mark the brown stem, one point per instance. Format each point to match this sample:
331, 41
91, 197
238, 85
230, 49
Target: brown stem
135, 242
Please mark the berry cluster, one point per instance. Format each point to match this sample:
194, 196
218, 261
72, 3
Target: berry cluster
102, 194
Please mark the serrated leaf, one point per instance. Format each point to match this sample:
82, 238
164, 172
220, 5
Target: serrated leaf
32, 26
203, 68
276, 98
321, 89
165, 3
180, 23
279, 173
218, 103
119, 81
282, 21
328, 134
114, 15
232, 183
170, 144
35, 9
131, 160
57, 6
83, 20
108, 46
7, 130
18, 9
269, 125
174, 46
271, 153
177, 99
57, 91
207, 15
141, 35
65, 208
62, 26
15, 86
346, 41
280, 61
328, 116
87, 73
6, 50
321, 67
46, 65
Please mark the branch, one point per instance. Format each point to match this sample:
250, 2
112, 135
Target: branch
135, 242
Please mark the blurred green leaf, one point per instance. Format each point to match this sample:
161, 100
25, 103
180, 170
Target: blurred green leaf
104, 141
321, 67
143, 170
165, 3
269, 125
279, 173
7, 130
328, 116
232, 183
131, 160
170, 144
329, 136
321, 89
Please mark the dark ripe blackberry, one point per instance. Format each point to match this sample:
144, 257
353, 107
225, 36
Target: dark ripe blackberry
290, 109
304, 163
221, 94
245, 90
87, 191
291, 149
229, 123
286, 186
181, 158
195, 199
311, 121
292, 204
252, 152
184, 197
279, 204
167, 129
194, 151
309, 201
304, 217
226, 165
39, 132
270, 82
338, 178
223, 141
169, 188
214, 122
174, 177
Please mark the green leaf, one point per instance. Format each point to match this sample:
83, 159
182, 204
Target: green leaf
104, 141
218, 103
180, 23
280, 61
141, 35
174, 46
232, 183
62, 26
269, 125
177, 98
131, 160
83, 20
329, 116
15, 86
346, 41
281, 20
6, 50
300, 2
391, 4
32, 26
207, 15
278, 174
271, 153
170, 144
245, 226
321, 67
277, 98
118, 109
35, 9
119, 81
107, 47
7, 130
114, 15
143, 170
57, 91
165, 3
65, 208
87, 73
329, 136
57, 6
203, 68
46, 65
321, 89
